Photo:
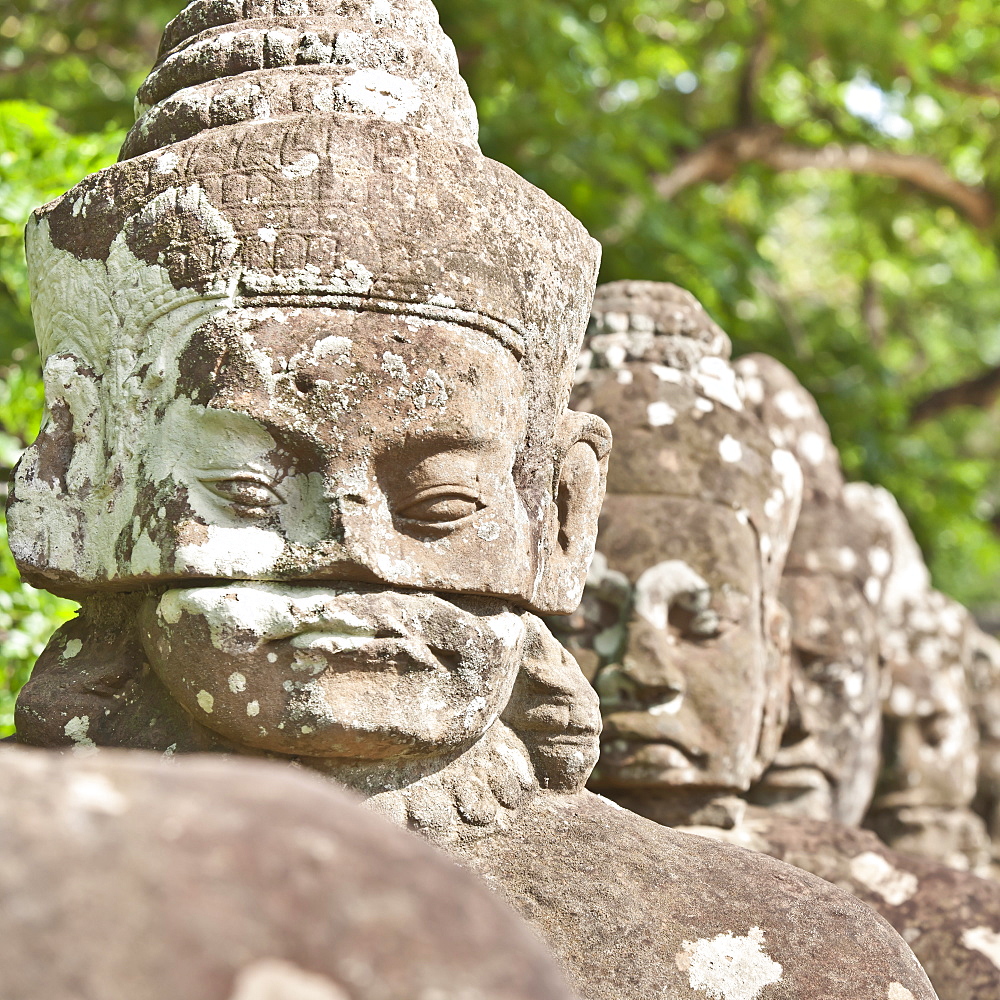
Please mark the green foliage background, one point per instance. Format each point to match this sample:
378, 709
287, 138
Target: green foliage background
873, 290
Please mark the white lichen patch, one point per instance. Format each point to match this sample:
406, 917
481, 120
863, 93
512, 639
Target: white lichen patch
305, 166
880, 560
783, 462
660, 414
72, 649
381, 94
663, 584
267, 234
730, 450
791, 404
717, 379
985, 941
206, 702
237, 682
508, 627
665, 374
811, 447
253, 708
246, 550
78, 730
879, 876
729, 966
166, 162
276, 979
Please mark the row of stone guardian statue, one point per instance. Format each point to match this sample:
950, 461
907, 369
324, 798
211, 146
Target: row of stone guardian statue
324, 466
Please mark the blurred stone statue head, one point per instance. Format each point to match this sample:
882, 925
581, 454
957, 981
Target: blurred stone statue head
927, 784
832, 587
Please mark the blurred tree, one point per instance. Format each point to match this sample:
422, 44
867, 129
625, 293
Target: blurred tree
823, 176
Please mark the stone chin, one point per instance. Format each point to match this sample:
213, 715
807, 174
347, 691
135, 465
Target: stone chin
358, 672
796, 791
657, 765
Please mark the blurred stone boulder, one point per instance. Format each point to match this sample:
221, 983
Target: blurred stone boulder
126, 877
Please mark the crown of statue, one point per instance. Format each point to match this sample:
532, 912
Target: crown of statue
652, 321
322, 151
680, 423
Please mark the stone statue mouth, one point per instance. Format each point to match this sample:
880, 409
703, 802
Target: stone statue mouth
906, 798
797, 778
337, 654
619, 750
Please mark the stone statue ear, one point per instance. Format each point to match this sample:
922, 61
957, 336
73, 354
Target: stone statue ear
582, 444
778, 636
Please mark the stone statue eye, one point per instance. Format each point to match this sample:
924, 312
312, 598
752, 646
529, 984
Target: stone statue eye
441, 508
249, 496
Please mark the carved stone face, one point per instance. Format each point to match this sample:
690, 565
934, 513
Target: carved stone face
320, 444
834, 577
929, 742
700, 510
367, 471
354, 454
826, 765
829, 757
684, 697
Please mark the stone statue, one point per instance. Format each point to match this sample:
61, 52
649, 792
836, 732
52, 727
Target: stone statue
923, 802
984, 692
833, 579
699, 514
823, 775
124, 877
311, 471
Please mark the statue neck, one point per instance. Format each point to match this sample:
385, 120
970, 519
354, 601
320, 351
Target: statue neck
445, 798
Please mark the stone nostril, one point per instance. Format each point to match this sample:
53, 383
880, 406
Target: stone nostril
613, 687
660, 680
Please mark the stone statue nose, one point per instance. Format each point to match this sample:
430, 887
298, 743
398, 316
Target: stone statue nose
651, 661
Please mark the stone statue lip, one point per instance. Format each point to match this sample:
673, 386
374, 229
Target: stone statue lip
904, 798
617, 752
343, 626
638, 730
797, 777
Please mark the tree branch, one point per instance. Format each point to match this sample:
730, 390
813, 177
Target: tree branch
758, 60
970, 88
981, 391
722, 156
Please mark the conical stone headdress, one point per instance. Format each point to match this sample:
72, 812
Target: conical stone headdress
657, 366
289, 153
